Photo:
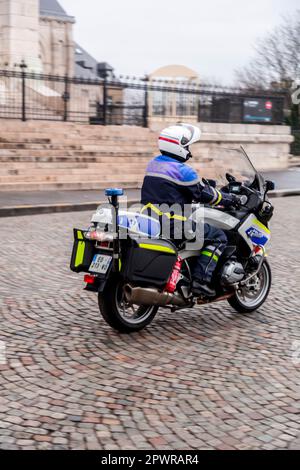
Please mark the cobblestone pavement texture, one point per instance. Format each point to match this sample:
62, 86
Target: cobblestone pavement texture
205, 378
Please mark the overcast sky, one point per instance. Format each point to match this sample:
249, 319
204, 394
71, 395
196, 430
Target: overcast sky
213, 37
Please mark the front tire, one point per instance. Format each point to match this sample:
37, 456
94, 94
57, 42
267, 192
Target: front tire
250, 297
119, 314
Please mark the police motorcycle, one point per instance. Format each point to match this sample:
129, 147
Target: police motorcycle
135, 271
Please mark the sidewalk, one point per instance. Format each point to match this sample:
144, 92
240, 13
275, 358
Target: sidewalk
30, 198
43, 202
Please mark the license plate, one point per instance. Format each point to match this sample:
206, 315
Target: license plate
100, 264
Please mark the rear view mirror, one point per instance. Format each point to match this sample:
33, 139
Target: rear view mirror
230, 178
212, 183
270, 185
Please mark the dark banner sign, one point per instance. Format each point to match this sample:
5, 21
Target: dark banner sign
258, 110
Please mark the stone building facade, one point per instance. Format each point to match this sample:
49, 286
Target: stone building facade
56, 43
40, 33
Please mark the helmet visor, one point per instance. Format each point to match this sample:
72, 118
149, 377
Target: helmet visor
195, 135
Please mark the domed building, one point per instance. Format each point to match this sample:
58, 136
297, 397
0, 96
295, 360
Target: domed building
168, 102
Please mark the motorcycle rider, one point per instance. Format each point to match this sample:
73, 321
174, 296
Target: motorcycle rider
169, 180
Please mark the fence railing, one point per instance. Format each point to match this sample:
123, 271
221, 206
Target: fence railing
128, 101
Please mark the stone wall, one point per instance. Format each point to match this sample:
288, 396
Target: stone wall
57, 45
268, 146
45, 42
19, 33
38, 155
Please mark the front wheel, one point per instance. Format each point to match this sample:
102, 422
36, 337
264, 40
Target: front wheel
252, 295
121, 315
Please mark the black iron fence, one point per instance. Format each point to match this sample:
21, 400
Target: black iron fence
128, 101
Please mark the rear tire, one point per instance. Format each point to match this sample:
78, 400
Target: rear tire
254, 294
113, 308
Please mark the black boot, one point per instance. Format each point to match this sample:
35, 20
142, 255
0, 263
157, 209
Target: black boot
202, 289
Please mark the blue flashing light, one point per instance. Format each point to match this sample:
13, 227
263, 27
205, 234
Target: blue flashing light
114, 192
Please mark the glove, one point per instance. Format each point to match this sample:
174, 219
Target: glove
236, 201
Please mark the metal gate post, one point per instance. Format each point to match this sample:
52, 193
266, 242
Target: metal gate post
105, 100
23, 66
66, 99
146, 103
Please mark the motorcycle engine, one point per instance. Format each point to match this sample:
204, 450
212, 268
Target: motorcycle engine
232, 272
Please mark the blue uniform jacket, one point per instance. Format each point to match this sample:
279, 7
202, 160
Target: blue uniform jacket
169, 181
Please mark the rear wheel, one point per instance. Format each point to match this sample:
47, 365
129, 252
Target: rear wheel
252, 295
121, 315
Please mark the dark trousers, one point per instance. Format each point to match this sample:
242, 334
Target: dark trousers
215, 242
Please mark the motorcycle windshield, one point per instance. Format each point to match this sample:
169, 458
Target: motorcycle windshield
220, 161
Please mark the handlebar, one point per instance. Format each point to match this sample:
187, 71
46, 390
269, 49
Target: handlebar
243, 199
238, 201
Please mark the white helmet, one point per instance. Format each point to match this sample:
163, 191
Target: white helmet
175, 140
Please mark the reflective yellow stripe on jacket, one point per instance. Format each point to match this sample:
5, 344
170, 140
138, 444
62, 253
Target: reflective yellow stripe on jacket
219, 194
167, 214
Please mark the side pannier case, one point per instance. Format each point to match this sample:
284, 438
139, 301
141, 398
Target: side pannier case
83, 252
149, 262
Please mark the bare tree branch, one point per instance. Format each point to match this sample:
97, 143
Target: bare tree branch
276, 59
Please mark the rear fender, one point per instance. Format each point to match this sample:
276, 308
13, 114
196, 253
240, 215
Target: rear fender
98, 286
102, 284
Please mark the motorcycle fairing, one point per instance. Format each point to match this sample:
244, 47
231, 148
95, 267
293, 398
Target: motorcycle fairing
211, 216
215, 218
254, 232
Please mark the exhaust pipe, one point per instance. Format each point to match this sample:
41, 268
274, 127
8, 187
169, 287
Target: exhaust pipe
151, 296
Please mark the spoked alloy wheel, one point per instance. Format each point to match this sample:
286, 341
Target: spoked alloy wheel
133, 314
254, 293
121, 315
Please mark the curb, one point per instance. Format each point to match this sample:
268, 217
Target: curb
284, 193
15, 211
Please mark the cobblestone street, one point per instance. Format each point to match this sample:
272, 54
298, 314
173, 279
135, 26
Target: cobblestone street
207, 378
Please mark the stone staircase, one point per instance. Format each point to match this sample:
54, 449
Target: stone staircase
48, 156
